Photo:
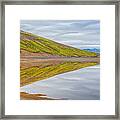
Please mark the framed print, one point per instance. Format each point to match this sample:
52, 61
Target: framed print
60, 59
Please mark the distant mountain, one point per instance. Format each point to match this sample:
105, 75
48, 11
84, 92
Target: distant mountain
33, 44
92, 50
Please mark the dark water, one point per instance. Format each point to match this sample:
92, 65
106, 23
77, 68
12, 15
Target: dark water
82, 84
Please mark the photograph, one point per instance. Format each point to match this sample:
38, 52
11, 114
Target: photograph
59, 59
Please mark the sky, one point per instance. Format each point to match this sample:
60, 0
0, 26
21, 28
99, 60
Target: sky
77, 33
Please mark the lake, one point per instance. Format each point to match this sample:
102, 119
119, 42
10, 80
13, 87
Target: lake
81, 84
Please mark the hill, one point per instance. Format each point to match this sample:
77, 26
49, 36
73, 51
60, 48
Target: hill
30, 44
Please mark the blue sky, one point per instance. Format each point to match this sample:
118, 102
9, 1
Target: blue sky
76, 33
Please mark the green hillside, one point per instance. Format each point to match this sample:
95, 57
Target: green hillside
36, 44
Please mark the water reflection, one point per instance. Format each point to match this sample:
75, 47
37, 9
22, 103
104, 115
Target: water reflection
65, 81
40, 72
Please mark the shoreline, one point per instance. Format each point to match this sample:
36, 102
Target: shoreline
28, 96
71, 59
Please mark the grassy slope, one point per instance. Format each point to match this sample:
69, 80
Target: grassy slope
33, 74
36, 44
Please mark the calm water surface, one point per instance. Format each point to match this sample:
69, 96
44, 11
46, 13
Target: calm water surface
82, 84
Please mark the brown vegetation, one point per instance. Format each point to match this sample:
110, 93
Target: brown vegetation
27, 96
